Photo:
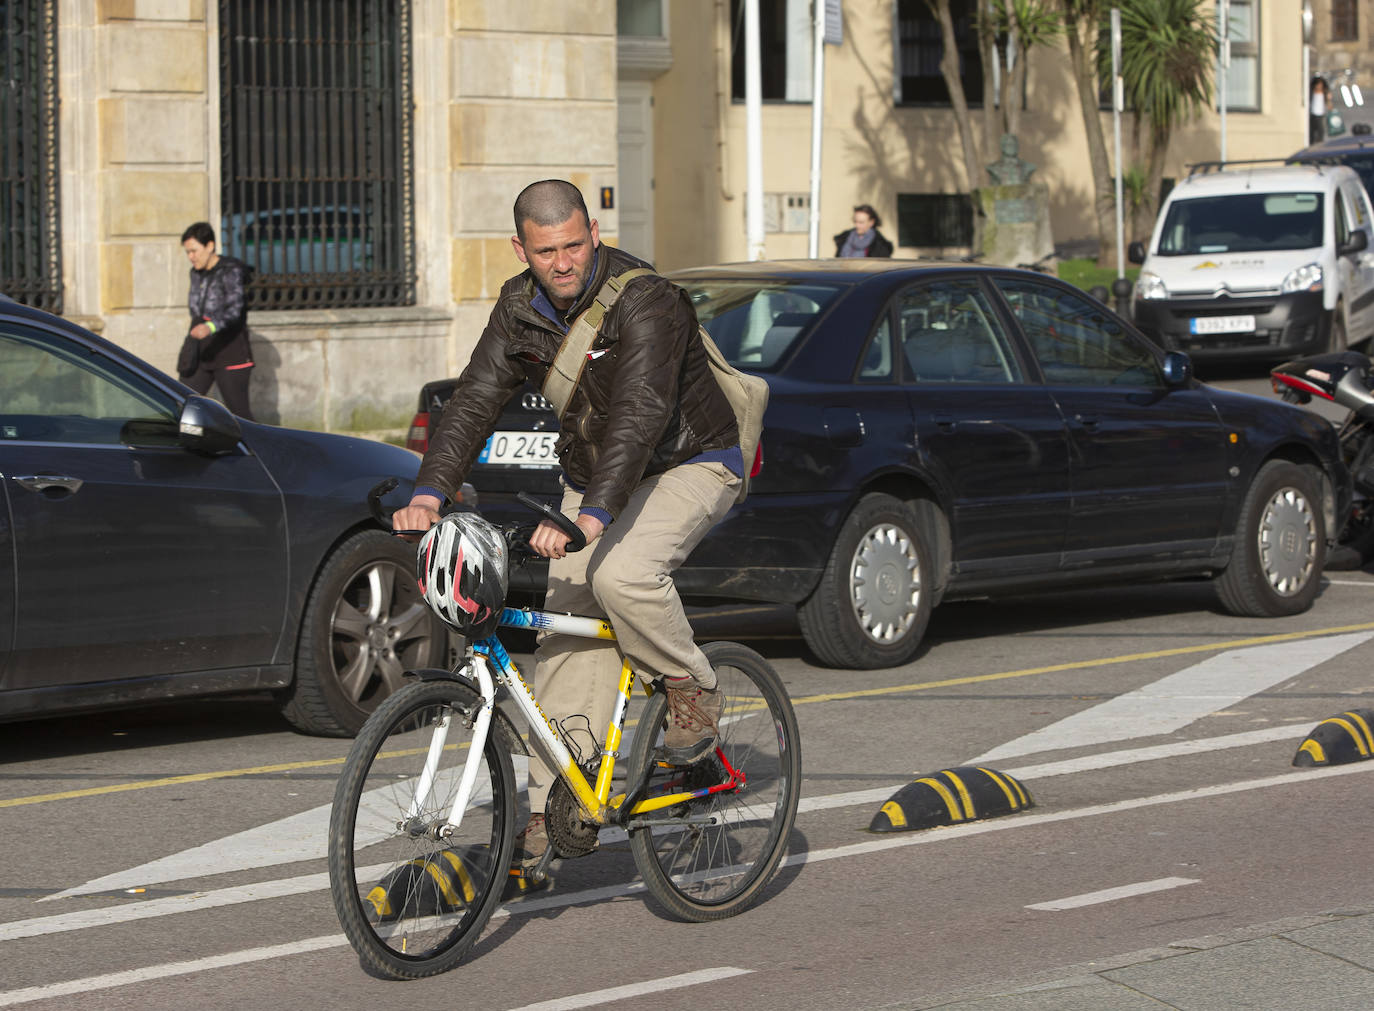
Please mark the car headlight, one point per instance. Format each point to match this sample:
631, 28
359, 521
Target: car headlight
1305, 278
1150, 286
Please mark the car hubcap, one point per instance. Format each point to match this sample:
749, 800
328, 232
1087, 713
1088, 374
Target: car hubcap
1288, 542
885, 583
380, 629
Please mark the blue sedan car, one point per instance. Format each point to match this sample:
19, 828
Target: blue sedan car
938, 431
153, 546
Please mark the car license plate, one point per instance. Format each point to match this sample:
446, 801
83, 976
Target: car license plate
1223, 324
525, 449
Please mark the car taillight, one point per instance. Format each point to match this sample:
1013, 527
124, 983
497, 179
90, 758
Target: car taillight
758, 460
418, 436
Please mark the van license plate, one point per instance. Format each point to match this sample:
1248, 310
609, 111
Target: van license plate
526, 449
1222, 324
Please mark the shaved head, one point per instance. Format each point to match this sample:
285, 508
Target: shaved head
547, 203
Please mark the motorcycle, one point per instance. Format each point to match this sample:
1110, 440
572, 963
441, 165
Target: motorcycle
1345, 378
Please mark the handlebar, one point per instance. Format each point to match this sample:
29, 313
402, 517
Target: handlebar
514, 533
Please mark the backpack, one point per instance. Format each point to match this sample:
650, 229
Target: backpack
747, 394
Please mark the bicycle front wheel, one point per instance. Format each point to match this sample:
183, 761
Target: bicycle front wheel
412, 893
711, 857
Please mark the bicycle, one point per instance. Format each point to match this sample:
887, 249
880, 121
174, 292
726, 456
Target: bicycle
420, 852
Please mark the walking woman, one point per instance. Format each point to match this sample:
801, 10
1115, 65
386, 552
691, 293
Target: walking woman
863, 239
219, 321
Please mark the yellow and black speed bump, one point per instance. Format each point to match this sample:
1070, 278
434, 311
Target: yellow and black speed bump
441, 883
950, 797
1339, 739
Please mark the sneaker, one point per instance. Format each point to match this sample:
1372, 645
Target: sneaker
693, 714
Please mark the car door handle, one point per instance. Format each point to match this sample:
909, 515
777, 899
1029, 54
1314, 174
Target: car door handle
1088, 421
944, 422
44, 482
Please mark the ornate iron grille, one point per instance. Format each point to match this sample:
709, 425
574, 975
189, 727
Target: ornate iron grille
30, 213
316, 150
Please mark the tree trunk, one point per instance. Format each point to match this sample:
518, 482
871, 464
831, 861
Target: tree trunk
949, 69
1082, 37
987, 44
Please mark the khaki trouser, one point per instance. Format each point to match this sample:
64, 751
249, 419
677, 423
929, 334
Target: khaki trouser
626, 576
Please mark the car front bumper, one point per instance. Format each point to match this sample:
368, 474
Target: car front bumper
1285, 326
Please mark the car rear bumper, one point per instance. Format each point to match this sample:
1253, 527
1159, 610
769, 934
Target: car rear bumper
1285, 325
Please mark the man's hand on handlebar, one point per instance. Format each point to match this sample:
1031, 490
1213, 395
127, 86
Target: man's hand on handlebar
550, 542
421, 514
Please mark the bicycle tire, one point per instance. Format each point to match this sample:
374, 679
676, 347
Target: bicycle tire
709, 872
412, 904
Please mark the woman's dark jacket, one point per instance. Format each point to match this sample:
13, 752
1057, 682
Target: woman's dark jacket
647, 400
880, 246
218, 298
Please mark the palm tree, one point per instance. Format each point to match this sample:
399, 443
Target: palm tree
1168, 53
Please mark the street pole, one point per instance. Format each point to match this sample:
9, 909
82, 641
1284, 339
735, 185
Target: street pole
1223, 67
813, 243
753, 133
1118, 105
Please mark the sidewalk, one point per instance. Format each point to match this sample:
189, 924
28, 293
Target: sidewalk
1303, 962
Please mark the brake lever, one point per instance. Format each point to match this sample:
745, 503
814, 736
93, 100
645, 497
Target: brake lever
577, 539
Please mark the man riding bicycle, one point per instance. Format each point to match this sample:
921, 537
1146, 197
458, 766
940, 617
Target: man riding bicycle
651, 461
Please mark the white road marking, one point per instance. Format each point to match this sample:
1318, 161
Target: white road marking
281, 887
598, 997
1112, 894
1175, 701
284, 841
152, 972
899, 841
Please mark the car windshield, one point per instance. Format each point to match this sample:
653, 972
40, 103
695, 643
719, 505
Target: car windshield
1242, 223
755, 322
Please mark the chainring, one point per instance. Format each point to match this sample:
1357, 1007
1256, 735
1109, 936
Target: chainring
568, 830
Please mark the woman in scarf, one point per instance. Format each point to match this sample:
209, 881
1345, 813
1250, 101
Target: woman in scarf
863, 239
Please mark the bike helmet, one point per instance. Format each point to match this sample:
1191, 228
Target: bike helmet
461, 568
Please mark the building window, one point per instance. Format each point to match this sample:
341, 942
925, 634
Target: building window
920, 47
1345, 20
1243, 77
934, 219
316, 190
785, 54
30, 211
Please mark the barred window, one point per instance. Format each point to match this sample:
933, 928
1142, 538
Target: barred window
316, 150
1345, 20
30, 211
934, 219
921, 47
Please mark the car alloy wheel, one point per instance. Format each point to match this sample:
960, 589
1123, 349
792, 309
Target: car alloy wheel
380, 628
365, 624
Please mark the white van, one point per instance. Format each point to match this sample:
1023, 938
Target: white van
1259, 263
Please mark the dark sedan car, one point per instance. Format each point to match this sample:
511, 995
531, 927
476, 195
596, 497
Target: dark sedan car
153, 546
938, 431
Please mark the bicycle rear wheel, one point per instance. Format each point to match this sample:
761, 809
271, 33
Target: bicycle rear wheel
412, 902
712, 857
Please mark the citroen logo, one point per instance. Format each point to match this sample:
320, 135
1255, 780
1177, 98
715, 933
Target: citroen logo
534, 402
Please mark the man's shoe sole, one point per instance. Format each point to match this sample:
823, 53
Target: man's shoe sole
690, 756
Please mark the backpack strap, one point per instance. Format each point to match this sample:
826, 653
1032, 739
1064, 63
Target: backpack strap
566, 371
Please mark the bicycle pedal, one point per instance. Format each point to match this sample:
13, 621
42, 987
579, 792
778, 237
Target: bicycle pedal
518, 883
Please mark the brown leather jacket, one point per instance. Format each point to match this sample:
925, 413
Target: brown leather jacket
646, 402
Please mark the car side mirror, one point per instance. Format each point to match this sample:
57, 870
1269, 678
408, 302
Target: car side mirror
207, 426
1135, 252
1178, 368
1357, 242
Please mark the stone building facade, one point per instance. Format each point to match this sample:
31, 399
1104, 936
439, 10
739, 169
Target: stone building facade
638, 102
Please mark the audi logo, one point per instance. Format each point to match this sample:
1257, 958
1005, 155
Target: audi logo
534, 402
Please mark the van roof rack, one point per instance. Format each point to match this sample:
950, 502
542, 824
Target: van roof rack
1204, 167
